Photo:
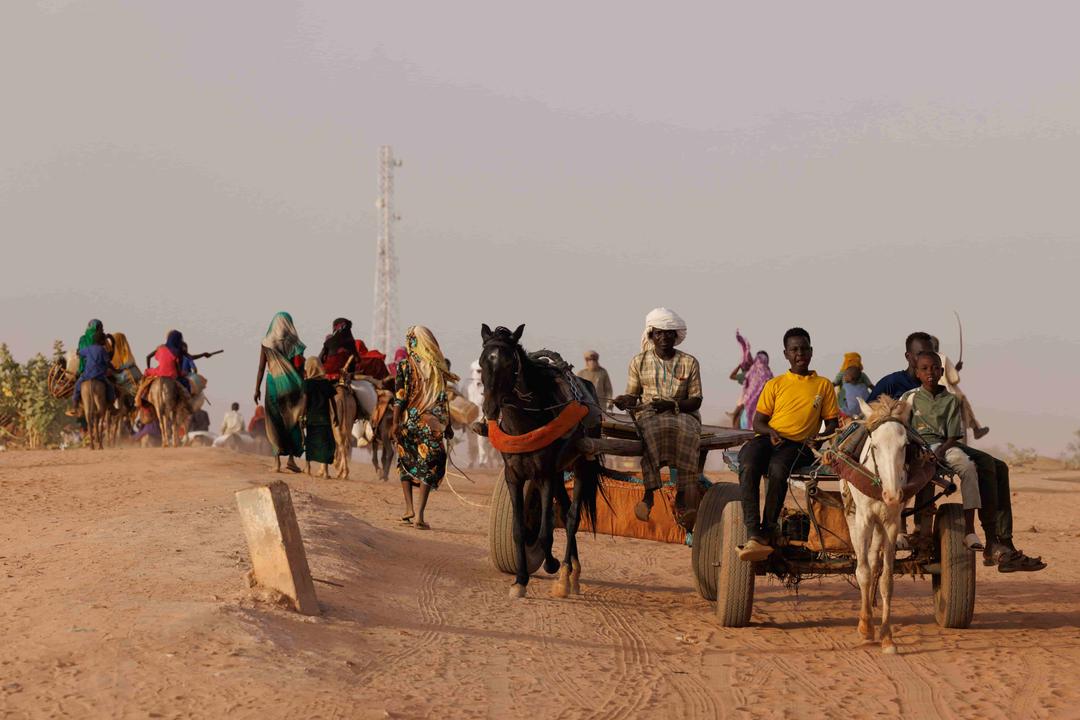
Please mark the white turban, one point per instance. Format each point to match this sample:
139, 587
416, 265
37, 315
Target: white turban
663, 319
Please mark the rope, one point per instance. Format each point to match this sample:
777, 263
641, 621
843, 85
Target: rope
461, 497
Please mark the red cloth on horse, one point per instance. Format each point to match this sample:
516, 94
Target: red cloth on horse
371, 363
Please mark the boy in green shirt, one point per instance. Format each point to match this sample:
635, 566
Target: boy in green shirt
936, 418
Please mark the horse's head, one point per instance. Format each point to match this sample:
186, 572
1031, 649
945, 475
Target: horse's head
500, 365
885, 452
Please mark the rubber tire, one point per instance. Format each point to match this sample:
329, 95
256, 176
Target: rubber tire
954, 586
735, 577
501, 528
708, 539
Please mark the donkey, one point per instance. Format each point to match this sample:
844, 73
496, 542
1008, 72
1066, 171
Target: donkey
521, 396
876, 523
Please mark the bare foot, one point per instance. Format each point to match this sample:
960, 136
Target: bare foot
421, 525
979, 433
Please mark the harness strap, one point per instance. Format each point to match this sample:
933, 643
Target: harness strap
541, 437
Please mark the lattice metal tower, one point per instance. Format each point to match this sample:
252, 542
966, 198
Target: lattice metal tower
384, 328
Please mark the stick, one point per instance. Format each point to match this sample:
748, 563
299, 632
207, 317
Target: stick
960, 326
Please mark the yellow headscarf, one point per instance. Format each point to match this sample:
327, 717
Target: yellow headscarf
313, 369
432, 373
122, 354
851, 360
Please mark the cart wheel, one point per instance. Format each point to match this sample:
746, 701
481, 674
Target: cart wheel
735, 577
954, 586
708, 538
501, 528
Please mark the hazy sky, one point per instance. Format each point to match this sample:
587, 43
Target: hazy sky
858, 169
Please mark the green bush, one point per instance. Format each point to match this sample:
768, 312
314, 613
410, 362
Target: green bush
29, 415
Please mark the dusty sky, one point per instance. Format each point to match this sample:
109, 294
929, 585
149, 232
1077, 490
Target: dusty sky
858, 170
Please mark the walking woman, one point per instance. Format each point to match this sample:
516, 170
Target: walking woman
281, 358
320, 417
421, 418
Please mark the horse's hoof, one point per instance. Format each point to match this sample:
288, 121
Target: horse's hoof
561, 588
517, 591
551, 566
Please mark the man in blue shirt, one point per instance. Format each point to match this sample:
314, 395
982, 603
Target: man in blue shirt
896, 384
97, 366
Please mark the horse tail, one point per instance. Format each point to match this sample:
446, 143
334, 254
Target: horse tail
587, 474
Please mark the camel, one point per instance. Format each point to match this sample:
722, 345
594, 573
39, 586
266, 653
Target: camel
346, 406
875, 524
93, 394
164, 395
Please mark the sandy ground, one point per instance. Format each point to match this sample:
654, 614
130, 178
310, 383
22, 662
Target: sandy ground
121, 580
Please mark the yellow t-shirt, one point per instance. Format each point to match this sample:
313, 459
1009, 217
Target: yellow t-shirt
796, 404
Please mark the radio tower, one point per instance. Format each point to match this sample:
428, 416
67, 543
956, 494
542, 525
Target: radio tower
384, 333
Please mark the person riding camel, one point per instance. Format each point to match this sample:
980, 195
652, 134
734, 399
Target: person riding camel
339, 355
169, 358
663, 395
372, 363
97, 365
127, 370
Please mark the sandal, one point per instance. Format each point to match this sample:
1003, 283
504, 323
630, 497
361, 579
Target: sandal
407, 519
1017, 561
421, 525
972, 542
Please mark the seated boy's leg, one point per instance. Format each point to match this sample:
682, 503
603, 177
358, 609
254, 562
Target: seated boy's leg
962, 465
785, 458
989, 492
753, 463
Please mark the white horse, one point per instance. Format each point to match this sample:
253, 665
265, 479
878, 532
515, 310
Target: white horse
876, 522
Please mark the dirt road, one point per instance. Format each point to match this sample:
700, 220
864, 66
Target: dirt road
121, 581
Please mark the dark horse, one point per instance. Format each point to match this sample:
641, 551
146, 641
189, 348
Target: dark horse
522, 395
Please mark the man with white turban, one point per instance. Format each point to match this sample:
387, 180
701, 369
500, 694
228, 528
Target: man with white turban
663, 392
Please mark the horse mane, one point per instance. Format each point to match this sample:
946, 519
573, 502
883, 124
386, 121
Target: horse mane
537, 377
886, 407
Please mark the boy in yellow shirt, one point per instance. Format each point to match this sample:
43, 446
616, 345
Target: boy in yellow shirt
790, 411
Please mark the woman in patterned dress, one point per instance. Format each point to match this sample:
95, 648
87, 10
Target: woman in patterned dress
421, 418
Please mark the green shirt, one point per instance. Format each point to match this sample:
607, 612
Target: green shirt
936, 418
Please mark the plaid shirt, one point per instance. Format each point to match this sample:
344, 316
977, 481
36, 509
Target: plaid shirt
649, 377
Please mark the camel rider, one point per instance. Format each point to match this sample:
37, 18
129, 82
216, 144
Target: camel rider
663, 394
97, 365
339, 354
169, 358
87, 339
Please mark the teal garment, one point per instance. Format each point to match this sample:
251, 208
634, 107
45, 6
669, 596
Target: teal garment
284, 386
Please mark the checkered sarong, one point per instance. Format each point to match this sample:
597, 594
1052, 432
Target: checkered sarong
670, 440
